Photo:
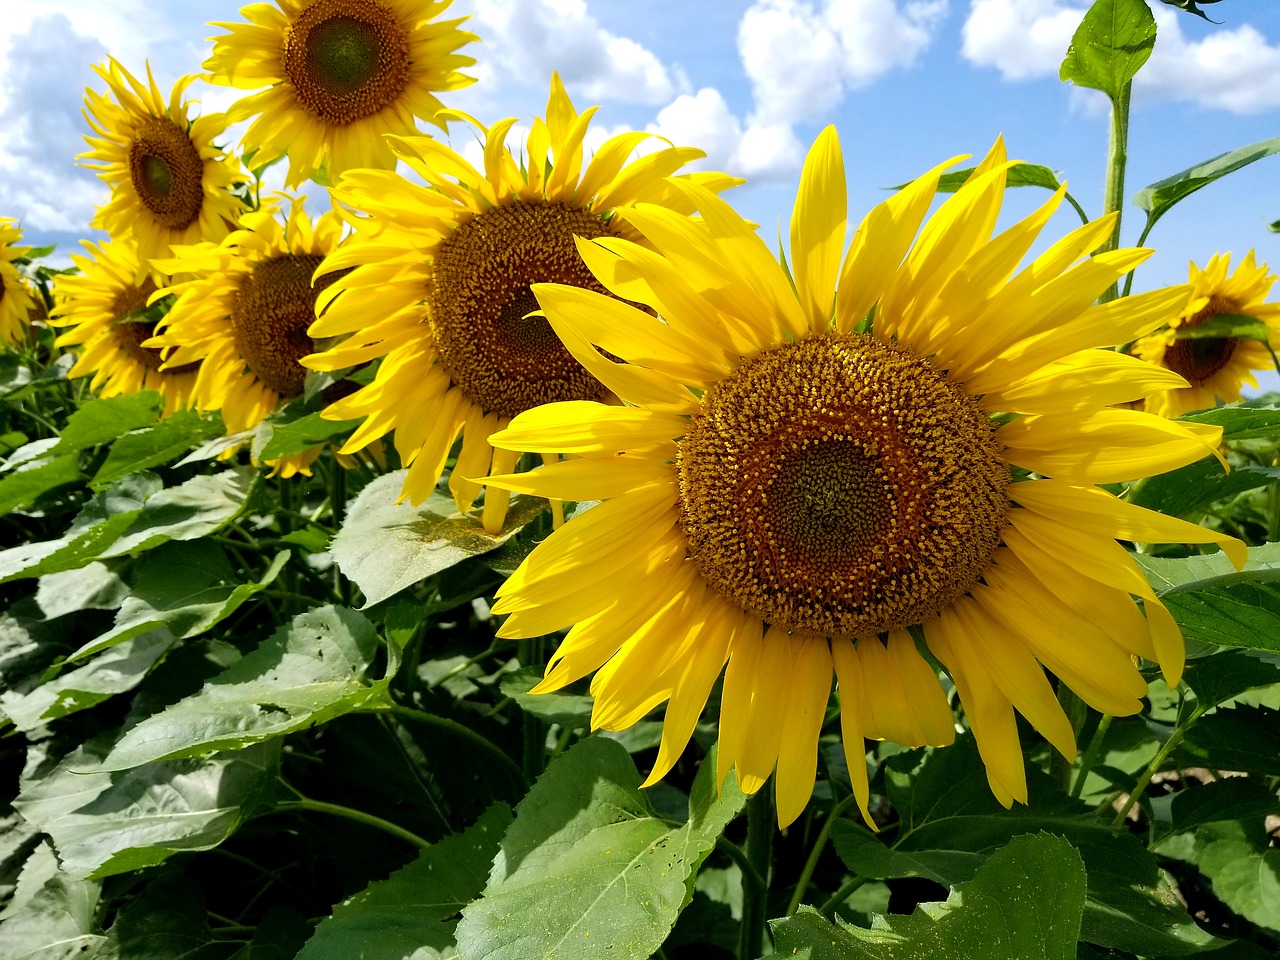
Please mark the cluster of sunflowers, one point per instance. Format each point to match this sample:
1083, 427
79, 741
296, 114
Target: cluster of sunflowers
868, 459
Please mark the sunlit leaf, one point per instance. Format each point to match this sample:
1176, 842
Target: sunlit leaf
1243, 869
51, 915
309, 671
95, 586
1025, 901
293, 430
103, 421
1161, 196
1192, 489
104, 823
1113, 41
587, 867
385, 546
156, 445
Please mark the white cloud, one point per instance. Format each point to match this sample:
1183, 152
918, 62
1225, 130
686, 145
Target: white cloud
532, 38
705, 120
1235, 69
801, 59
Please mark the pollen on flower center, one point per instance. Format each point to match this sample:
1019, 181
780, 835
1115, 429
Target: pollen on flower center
274, 306
346, 59
1197, 359
479, 299
167, 173
843, 485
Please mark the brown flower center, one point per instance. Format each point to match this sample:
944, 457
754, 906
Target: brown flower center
1197, 359
501, 359
346, 59
274, 306
167, 173
131, 327
843, 485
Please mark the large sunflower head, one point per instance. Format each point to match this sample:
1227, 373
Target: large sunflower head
16, 302
890, 461
1215, 368
340, 74
441, 285
244, 314
170, 183
105, 307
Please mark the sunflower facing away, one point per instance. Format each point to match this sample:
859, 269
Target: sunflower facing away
1215, 368
244, 316
440, 286
793, 496
15, 296
105, 307
169, 182
340, 74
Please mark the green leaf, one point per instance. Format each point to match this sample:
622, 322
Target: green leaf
587, 867
1023, 175
1113, 41
183, 588
1242, 869
413, 912
104, 823
1215, 604
99, 523
194, 509
309, 671
1232, 798
51, 915
156, 445
385, 546
1193, 488
116, 671
1239, 738
572, 711
95, 586
167, 921
293, 430
1226, 325
1240, 422
102, 421
1160, 197
1024, 902
24, 486
1226, 675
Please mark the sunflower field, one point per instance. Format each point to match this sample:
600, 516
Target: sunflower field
523, 555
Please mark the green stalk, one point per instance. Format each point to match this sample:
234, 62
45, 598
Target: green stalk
1091, 754
359, 816
1117, 159
761, 824
466, 733
819, 845
1153, 767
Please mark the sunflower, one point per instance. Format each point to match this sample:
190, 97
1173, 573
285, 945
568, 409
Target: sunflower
440, 286
16, 301
342, 73
818, 478
105, 305
1215, 368
244, 316
169, 182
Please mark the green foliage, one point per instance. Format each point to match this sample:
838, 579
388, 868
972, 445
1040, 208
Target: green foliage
1113, 41
1160, 197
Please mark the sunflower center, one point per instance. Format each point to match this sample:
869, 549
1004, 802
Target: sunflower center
274, 306
346, 59
843, 485
501, 359
1197, 359
132, 331
167, 173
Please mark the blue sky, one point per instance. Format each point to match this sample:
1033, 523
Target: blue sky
907, 83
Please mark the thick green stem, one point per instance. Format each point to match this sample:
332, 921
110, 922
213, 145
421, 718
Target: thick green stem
1153, 767
359, 816
841, 895
818, 846
1091, 754
1117, 158
761, 825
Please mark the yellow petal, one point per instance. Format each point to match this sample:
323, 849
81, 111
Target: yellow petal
805, 708
584, 426
817, 228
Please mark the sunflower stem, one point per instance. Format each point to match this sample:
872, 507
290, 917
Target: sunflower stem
841, 895
1153, 767
761, 824
818, 846
1091, 754
358, 816
1117, 158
